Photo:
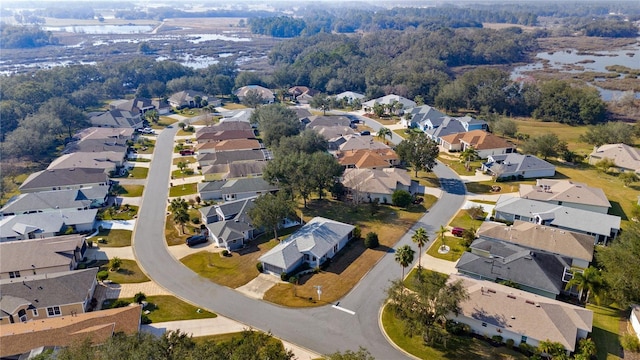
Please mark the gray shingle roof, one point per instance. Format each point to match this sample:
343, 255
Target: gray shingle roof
98, 145
510, 262
47, 222
516, 163
560, 216
447, 126
237, 186
117, 118
62, 199
70, 287
320, 120
227, 157
39, 253
565, 191
64, 177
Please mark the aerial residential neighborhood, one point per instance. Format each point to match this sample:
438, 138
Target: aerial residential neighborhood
260, 181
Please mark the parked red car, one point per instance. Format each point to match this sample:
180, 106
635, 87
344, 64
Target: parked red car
186, 152
456, 231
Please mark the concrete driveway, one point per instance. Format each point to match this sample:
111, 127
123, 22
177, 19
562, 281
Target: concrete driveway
257, 287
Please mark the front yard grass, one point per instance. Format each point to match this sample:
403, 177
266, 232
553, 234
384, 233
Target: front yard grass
232, 271
163, 122
124, 212
458, 347
183, 190
345, 270
113, 238
425, 178
233, 106
178, 174
173, 232
129, 272
463, 220
605, 333
187, 159
456, 248
129, 190
458, 166
170, 308
144, 146
138, 173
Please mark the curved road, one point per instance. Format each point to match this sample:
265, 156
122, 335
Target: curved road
322, 329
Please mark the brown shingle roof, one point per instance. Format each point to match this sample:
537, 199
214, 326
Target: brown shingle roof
479, 139
19, 338
365, 158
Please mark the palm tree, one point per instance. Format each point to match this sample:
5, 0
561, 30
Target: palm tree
404, 257
383, 132
587, 348
441, 235
178, 204
420, 238
588, 280
181, 217
467, 155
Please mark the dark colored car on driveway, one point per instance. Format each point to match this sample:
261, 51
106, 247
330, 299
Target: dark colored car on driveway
456, 231
196, 239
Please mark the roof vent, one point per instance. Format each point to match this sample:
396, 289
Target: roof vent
491, 291
530, 302
511, 296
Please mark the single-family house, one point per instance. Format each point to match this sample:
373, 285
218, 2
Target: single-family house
422, 115
36, 297
485, 143
634, 319
314, 243
328, 120
436, 129
493, 309
241, 115
234, 170
98, 145
567, 193
108, 161
224, 126
534, 271
358, 142
234, 189
228, 224
331, 133
390, 99
43, 201
303, 94
117, 118
215, 136
578, 247
101, 133
303, 114
19, 340
367, 185
625, 157
46, 224
601, 227
229, 145
267, 95
191, 99
141, 105
349, 96
517, 166
368, 159
65, 179
41, 256
228, 157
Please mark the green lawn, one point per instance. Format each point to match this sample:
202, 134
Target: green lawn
182, 132
129, 272
178, 174
182, 190
145, 146
606, 327
112, 238
138, 160
234, 106
124, 212
174, 234
188, 159
458, 347
170, 308
129, 190
164, 121
463, 220
456, 248
138, 173
458, 166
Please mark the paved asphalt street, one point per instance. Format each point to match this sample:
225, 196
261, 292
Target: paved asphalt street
323, 329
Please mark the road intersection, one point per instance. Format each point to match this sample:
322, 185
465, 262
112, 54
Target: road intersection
323, 329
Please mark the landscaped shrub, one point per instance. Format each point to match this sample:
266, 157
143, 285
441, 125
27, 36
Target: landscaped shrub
357, 232
102, 275
144, 319
497, 339
115, 264
139, 297
525, 348
401, 198
259, 267
509, 343
284, 276
225, 252
293, 279
120, 303
630, 342
371, 240
195, 220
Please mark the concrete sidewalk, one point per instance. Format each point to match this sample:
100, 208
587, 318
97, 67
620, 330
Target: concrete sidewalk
219, 325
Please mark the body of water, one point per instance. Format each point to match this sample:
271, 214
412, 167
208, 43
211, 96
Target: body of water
574, 62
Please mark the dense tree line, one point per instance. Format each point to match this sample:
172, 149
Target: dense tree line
16, 37
281, 26
611, 28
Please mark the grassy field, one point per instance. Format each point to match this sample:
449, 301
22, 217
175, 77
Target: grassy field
183, 190
178, 174
146, 147
129, 272
458, 347
130, 190
234, 106
187, 159
164, 121
113, 238
354, 261
455, 245
606, 327
567, 133
170, 308
138, 173
426, 178
459, 167
232, 271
